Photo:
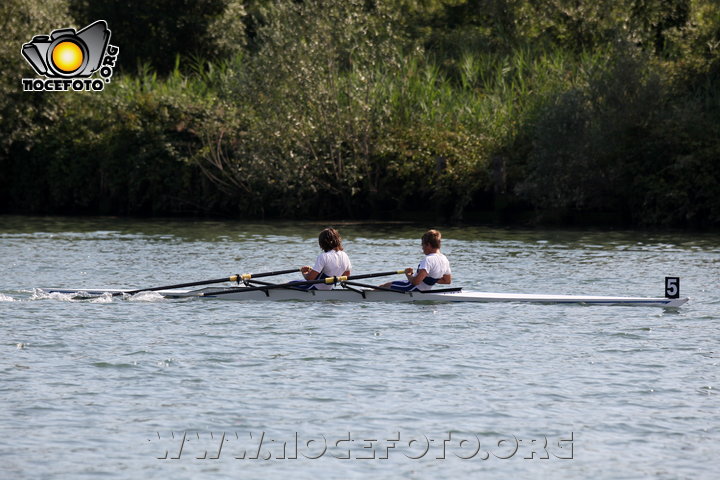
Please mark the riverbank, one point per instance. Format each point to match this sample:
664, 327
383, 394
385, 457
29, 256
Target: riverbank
344, 110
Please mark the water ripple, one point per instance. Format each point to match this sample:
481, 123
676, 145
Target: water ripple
100, 385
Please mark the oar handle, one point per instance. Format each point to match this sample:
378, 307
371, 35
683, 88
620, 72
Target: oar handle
368, 275
248, 276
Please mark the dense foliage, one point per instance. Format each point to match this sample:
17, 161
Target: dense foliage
504, 110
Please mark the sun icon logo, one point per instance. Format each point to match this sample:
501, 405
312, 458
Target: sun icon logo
67, 56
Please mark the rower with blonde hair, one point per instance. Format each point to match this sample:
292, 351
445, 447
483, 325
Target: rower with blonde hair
434, 268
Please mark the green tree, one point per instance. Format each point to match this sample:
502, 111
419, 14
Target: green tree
21, 113
160, 31
309, 107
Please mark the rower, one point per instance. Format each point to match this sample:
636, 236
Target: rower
332, 262
434, 268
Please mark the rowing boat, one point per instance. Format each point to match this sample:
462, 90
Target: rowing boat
347, 289
453, 295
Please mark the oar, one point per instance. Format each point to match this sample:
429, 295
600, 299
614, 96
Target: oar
293, 285
374, 287
255, 283
232, 278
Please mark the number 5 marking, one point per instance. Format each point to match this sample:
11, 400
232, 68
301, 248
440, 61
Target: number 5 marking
672, 287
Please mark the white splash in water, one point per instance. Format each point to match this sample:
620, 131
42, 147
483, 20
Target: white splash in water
40, 294
104, 298
147, 297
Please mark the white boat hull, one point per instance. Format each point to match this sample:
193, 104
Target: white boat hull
344, 295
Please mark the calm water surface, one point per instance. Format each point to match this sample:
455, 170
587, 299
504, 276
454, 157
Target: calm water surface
121, 389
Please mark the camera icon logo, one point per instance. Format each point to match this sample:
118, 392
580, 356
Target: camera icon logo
68, 58
67, 53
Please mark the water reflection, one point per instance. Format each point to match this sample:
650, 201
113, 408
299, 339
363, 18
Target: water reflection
192, 230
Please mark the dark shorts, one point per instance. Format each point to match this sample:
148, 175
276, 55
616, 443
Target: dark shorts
303, 286
404, 286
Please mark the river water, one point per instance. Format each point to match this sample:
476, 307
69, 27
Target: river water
152, 388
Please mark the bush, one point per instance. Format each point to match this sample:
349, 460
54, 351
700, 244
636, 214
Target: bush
309, 109
127, 151
629, 143
159, 31
366, 109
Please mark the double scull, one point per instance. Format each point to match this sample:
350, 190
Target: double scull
347, 290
